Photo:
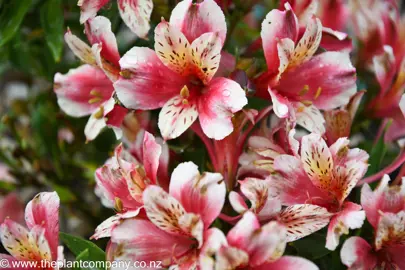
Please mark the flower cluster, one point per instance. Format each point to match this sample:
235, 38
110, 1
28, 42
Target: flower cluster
276, 174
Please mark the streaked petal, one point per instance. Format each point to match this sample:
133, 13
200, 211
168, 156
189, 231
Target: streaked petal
223, 98
196, 19
176, 117
136, 15
146, 83
303, 219
390, 230
310, 118
89, 8
288, 263
151, 154
172, 48
79, 48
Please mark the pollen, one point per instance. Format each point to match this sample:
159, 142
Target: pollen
100, 113
304, 90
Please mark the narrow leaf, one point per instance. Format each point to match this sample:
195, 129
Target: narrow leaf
12, 14
52, 22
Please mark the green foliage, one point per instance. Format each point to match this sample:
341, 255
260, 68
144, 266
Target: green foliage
52, 23
12, 14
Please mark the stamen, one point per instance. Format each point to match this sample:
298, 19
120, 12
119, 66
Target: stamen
100, 113
304, 90
318, 92
95, 100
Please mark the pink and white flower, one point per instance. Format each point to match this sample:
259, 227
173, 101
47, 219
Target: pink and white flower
385, 210
123, 179
323, 176
12, 208
177, 225
296, 77
249, 245
179, 75
88, 89
134, 13
40, 241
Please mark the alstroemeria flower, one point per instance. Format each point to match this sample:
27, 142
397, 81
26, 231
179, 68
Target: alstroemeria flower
300, 220
88, 89
40, 242
376, 24
134, 13
177, 222
179, 75
251, 246
385, 210
338, 122
298, 78
323, 176
123, 179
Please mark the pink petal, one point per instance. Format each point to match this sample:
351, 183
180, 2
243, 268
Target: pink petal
11, 207
280, 104
237, 202
292, 182
89, 8
192, 225
226, 65
200, 194
390, 230
82, 90
383, 198
213, 240
147, 83
163, 209
384, 68
221, 99
351, 217
43, 211
176, 117
206, 56
136, 15
94, 126
310, 118
196, 19
172, 48
107, 226
334, 13
357, 253
288, 263
116, 116
41, 243
141, 240
240, 235
276, 26
267, 244
98, 31
396, 254
335, 40
229, 257
317, 160
303, 219
79, 48
338, 124
151, 153
325, 92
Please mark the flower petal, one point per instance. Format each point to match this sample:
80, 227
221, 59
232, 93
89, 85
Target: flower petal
151, 154
240, 235
176, 117
98, 31
231, 258
107, 226
206, 56
288, 263
317, 160
351, 217
310, 118
200, 194
237, 202
94, 125
390, 230
141, 240
223, 98
329, 80
163, 209
136, 15
43, 211
384, 68
276, 26
338, 124
146, 83
280, 104
357, 253
89, 8
196, 19
12, 208
303, 219
172, 48
79, 48
82, 90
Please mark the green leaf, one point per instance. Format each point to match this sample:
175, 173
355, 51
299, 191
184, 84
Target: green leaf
12, 14
78, 247
64, 194
377, 153
311, 247
52, 23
